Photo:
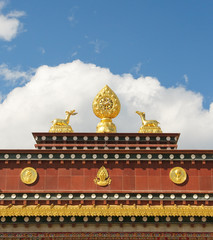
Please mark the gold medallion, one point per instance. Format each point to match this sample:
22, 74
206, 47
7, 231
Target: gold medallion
106, 106
178, 175
102, 178
28, 175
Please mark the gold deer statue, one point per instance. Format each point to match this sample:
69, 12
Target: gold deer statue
148, 126
62, 125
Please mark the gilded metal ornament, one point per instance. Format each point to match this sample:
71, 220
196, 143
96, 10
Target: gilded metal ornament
106, 210
178, 175
28, 175
102, 178
106, 106
62, 125
148, 126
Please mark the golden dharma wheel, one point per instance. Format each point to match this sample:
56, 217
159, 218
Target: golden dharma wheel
106, 104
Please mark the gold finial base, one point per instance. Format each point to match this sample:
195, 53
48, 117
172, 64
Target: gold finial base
61, 129
148, 129
106, 126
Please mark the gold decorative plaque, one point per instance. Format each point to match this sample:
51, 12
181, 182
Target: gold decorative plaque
178, 175
106, 106
62, 125
28, 175
102, 178
148, 126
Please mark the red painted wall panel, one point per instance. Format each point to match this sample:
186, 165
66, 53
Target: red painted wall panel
132, 177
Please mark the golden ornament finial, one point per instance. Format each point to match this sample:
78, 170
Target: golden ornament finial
102, 178
62, 125
106, 106
148, 126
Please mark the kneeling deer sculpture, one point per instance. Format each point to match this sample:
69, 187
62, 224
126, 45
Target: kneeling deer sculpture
65, 121
148, 123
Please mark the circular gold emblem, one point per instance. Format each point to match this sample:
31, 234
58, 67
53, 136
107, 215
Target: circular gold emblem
178, 175
28, 175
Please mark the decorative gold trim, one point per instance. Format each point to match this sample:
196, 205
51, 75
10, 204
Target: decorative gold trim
178, 175
102, 178
106, 210
28, 175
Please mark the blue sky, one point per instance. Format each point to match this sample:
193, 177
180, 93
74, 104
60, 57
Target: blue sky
171, 41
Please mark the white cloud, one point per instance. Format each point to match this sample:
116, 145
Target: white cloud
186, 78
98, 45
137, 68
16, 14
42, 50
2, 4
14, 74
71, 18
10, 25
74, 54
9, 47
53, 90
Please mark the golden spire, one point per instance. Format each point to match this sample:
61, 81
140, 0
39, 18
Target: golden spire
106, 106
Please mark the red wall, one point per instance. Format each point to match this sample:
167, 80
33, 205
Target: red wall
132, 177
